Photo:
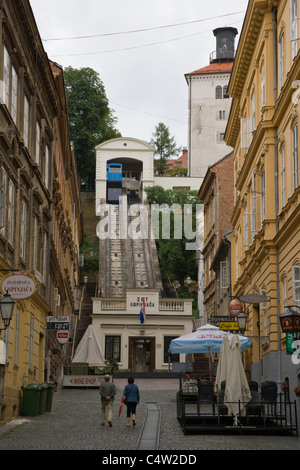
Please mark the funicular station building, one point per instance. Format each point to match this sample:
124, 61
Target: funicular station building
129, 269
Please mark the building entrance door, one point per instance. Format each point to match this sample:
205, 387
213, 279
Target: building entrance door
142, 354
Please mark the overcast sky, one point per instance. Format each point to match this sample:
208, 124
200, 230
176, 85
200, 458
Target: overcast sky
143, 66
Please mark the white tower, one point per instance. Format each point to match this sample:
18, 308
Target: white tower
209, 105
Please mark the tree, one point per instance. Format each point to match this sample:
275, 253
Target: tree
165, 147
91, 120
173, 256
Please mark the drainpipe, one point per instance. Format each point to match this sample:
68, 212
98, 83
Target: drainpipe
190, 123
275, 68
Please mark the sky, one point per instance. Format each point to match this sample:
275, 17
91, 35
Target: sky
141, 50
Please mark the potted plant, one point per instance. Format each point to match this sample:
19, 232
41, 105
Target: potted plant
285, 386
297, 391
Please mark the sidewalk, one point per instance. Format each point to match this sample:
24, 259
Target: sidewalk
74, 424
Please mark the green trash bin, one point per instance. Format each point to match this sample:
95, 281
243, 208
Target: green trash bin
43, 399
31, 399
50, 390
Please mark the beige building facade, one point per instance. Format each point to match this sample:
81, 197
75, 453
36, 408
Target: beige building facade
263, 129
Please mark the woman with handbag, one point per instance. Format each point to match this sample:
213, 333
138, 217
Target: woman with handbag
131, 399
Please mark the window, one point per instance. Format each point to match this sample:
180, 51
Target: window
263, 309
37, 143
14, 95
253, 111
113, 348
222, 115
26, 122
45, 256
222, 136
246, 132
281, 60
23, 229
283, 188
10, 93
296, 284
224, 275
237, 259
284, 292
218, 93
262, 85
167, 341
3, 188
46, 167
11, 213
6, 72
35, 243
295, 157
294, 28
225, 92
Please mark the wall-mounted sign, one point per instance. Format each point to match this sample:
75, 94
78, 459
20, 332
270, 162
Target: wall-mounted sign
230, 326
19, 285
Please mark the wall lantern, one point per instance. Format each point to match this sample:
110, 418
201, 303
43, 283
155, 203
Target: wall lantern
242, 322
290, 320
6, 309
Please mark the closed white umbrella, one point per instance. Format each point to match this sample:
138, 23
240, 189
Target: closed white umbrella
222, 364
237, 391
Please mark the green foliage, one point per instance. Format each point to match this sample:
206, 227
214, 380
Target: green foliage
173, 256
165, 147
91, 120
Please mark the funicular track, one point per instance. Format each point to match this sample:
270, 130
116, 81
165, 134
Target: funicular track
126, 259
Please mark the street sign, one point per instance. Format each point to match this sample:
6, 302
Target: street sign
62, 336
57, 323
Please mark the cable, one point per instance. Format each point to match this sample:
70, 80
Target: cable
145, 112
142, 30
132, 47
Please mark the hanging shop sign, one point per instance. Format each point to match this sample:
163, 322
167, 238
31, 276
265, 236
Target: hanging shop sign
20, 285
236, 306
57, 323
253, 298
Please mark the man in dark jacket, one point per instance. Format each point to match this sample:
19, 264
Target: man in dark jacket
107, 392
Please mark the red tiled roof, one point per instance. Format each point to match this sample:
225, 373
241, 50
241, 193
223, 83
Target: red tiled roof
217, 67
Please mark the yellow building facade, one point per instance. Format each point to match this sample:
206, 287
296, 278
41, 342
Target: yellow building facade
263, 129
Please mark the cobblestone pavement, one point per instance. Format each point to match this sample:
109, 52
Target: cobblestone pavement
74, 424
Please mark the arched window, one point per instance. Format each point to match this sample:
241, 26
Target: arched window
225, 92
218, 93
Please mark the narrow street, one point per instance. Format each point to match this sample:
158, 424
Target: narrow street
74, 424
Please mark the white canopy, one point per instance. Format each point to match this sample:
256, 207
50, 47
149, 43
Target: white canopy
89, 349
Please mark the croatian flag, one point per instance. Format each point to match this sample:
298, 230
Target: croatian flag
142, 312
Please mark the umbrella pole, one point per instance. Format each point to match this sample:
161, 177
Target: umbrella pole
210, 363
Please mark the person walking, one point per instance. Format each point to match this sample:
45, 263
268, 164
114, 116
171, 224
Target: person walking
132, 397
107, 392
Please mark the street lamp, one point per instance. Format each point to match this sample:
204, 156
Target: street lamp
6, 309
242, 322
290, 320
